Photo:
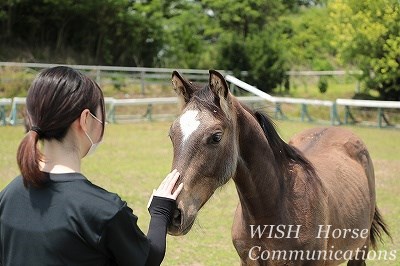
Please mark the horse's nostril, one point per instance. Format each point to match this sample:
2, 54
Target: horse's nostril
177, 218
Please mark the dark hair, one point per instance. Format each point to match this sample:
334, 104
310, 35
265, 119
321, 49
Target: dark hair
55, 100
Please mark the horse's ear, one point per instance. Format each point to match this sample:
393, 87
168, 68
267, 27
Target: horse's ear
221, 89
182, 87
218, 84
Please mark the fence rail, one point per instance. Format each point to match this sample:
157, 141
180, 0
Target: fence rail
379, 105
137, 75
16, 114
324, 73
278, 101
334, 116
146, 76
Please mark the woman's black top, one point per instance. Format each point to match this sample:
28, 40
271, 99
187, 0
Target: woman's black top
71, 221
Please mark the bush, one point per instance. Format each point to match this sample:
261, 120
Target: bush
15, 82
323, 84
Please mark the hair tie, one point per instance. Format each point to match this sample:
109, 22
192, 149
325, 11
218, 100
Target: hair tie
37, 130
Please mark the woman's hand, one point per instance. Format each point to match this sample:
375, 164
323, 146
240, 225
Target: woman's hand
167, 185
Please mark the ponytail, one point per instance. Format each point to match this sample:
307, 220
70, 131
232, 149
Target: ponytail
28, 158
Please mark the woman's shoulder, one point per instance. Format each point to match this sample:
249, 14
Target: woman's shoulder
15, 185
86, 194
72, 192
101, 196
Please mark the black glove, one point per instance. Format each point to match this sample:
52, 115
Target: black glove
163, 208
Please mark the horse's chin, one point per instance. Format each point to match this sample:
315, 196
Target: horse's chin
179, 225
177, 231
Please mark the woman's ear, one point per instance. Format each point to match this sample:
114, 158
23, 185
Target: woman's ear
83, 120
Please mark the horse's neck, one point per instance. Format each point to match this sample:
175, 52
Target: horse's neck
257, 175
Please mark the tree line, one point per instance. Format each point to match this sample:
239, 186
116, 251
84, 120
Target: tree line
265, 38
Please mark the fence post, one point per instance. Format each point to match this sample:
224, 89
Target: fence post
334, 114
3, 115
232, 88
13, 113
142, 81
98, 76
278, 112
348, 115
304, 113
380, 114
110, 112
149, 112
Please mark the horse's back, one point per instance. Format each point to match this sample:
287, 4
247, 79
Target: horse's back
331, 147
318, 143
321, 140
343, 164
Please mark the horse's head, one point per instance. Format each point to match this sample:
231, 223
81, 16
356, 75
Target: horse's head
205, 144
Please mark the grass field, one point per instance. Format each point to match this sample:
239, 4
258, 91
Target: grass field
134, 158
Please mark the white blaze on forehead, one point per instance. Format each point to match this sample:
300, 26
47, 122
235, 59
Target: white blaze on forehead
189, 123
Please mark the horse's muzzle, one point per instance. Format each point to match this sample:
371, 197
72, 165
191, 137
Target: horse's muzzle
177, 218
179, 225
176, 223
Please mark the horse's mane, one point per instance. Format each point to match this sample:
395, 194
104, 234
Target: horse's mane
286, 155
283, 152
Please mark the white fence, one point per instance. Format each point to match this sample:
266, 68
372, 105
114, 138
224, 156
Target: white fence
16, 111
16, 117
277, 101
145, 76
333, 105
379, 105
324, 73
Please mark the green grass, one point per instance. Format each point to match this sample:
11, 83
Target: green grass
134, 158
338, 87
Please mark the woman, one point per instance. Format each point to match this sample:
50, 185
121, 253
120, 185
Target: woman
52, 214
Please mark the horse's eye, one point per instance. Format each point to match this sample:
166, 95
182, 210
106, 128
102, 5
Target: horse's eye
216, 137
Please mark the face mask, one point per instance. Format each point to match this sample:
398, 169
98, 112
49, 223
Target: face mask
94, 146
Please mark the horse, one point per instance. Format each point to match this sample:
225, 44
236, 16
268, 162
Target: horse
314, 195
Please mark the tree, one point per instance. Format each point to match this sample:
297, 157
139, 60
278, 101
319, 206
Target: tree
243, 17
308, 41
186, 37
367, 35
246, 35
246, 39
232, 54
267, 62
116, 32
